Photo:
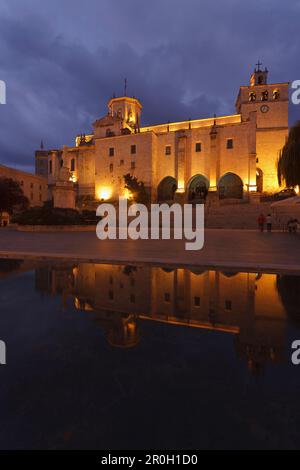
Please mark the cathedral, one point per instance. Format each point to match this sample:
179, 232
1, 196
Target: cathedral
230, 156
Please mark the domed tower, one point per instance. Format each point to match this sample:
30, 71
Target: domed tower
128, 109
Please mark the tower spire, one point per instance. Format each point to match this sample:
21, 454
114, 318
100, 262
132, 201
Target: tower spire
258, 66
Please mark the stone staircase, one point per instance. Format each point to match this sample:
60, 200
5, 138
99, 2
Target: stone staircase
239, 216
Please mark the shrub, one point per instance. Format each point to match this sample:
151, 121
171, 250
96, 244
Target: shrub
54, 216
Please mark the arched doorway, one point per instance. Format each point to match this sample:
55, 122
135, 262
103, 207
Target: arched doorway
259, 180
166, 189
230, 186
198, 187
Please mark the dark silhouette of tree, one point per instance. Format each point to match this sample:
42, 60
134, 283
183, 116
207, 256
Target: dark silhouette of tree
11, 196
136, 188
288, 166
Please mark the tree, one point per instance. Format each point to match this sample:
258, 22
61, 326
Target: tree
288, 166
11, 195
136, 188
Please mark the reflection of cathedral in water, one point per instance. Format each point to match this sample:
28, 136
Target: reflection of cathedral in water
245, 305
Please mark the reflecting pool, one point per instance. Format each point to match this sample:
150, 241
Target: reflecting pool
137, 357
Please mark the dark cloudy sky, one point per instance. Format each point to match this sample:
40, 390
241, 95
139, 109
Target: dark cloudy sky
62, 59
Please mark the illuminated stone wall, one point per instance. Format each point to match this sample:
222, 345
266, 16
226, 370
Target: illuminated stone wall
34, 187
258, 132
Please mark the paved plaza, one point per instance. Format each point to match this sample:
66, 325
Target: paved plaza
239, 249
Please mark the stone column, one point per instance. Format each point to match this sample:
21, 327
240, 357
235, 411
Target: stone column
180, 166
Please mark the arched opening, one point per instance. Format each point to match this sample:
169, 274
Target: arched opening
198, 187
230, 186
259, 180
166, 189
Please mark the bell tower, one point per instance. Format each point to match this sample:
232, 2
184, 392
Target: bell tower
259, 77
270, 102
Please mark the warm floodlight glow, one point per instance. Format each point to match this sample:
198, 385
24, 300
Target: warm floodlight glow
104, 193
127, 194
180, 188
73, 178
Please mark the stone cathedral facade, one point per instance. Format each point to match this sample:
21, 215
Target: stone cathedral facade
228, 156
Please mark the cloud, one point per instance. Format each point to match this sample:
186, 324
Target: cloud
63, 60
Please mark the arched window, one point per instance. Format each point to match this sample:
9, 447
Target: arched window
252, 96
166, 189
198, 187
276, 94
265, 95
259, 180
230, 185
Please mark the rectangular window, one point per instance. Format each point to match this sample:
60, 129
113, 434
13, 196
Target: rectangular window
132, 165
133, 149
50, 167
198, 147
121, 162
111, 167
73, 164
111, 151
197, 301
31, 185
228, 305
230, 143
168, 150
167, 297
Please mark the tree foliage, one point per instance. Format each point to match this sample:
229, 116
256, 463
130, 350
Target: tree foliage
288, 166
11, 196
136, 188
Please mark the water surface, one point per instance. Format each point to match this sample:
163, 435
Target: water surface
134, 357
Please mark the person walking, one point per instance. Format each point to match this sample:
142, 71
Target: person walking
269, 222
293, 225
261, 222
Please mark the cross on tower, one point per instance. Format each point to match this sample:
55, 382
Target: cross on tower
258, 66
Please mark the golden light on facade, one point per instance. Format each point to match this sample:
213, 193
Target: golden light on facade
180, 188
252, 187
104, 193
127, 194
73, 178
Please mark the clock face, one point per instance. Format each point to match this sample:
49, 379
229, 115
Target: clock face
264, 108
